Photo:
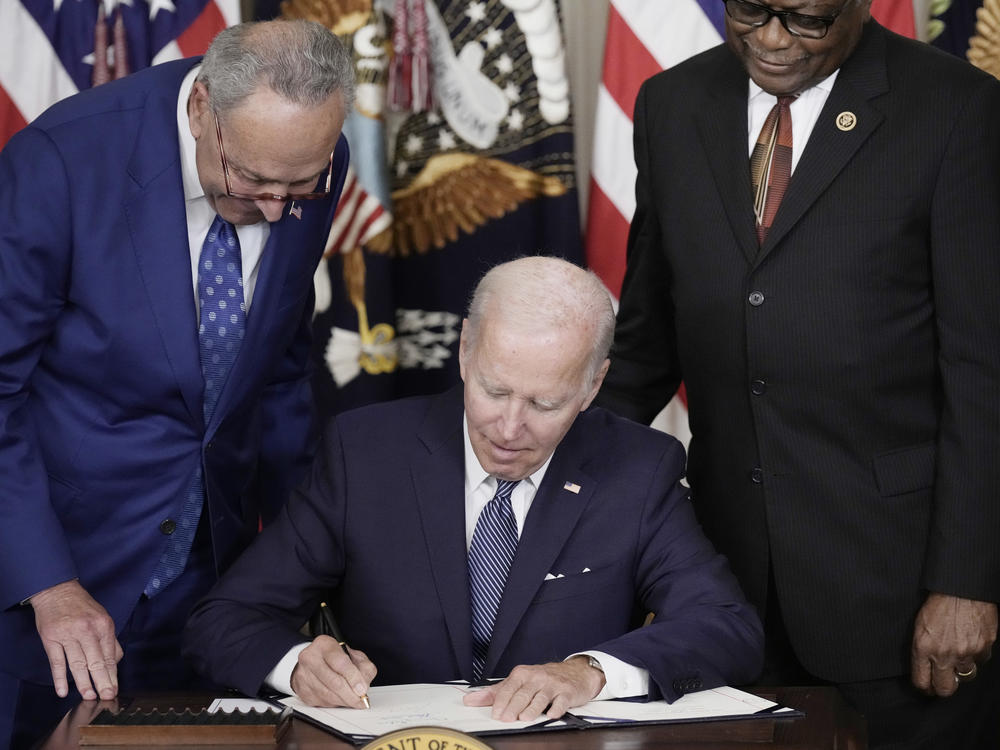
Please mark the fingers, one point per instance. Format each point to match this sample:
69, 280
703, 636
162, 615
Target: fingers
943, 680
950, 636
481, 697
327, 676
79, 638
530, 691
57, 664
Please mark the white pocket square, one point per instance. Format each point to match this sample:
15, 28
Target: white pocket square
550, 577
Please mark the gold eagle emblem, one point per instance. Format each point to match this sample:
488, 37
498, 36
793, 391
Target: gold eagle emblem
984, 46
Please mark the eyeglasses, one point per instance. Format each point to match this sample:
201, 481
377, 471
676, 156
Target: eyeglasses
267, 196
796, 24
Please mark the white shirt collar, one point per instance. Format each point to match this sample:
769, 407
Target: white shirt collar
826, 85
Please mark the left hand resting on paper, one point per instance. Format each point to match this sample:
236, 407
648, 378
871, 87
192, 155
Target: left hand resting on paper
531, 689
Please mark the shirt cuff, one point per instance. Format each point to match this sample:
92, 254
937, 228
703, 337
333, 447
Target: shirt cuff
621, 680
280, 678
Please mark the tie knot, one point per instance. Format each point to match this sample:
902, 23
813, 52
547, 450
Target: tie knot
505, 487
786, 101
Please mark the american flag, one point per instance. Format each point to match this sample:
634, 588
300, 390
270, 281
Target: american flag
644, 38
50, 49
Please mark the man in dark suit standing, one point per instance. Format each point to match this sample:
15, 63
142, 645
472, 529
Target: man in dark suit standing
840, 346
156, 260
546, 584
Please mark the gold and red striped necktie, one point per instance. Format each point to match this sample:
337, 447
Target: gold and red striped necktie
771, 164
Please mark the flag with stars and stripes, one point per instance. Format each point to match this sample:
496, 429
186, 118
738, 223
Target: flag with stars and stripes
644, 38
50, 49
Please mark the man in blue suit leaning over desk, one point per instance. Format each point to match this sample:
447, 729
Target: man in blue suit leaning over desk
491, 533
156, 260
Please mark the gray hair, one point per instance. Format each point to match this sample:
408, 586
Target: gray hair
301, 61
546, 293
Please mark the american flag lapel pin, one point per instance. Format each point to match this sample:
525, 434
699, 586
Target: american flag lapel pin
295, 211
572, 487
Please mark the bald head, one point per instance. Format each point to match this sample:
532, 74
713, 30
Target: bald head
543, 293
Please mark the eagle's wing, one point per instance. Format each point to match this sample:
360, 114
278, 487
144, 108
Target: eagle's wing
458, 191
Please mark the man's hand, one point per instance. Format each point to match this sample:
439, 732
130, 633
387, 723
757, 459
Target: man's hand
326, 676
950, 637
529, 690
78, 632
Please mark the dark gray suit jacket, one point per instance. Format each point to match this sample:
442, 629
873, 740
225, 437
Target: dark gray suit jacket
843, 379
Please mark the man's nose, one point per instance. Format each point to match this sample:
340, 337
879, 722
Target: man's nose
773, 34
270, 208
511, 419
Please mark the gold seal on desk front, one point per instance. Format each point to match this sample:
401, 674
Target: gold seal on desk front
426, 738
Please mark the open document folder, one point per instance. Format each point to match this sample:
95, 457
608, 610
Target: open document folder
401, 706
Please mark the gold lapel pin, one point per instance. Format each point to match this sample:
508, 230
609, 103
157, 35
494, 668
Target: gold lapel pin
846, 121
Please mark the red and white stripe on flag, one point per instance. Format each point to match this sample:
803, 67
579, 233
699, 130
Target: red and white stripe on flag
33, 73
644, 38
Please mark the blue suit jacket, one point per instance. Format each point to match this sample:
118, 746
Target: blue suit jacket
381, 523
101, 421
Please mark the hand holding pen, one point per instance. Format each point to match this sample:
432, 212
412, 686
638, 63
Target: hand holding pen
331, 674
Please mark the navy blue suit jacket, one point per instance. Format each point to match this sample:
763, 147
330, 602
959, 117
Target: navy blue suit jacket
381, 524
101, 423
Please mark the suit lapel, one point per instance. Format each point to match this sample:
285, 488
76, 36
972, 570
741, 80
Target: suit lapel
439, 486
829, 149
722, 127
156, 220
554, 514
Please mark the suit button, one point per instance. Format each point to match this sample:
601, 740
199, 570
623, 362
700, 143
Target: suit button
756, 299
167, 527
757, 475
757, 387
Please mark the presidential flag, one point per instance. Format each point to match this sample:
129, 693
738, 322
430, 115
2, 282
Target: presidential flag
644, 38
50, 49
969, 29
462, 143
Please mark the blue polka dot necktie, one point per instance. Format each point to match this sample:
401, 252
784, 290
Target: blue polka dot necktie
494, 543
222, 313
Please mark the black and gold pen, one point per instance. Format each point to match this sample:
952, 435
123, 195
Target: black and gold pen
334, 632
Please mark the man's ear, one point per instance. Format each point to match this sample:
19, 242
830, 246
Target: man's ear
462, 350
199, 110
596, 383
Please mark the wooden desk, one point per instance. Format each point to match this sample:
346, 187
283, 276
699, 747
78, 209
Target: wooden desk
829, 724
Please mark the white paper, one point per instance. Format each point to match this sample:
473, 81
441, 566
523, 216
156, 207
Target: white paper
243, 705
722, 701
401, 706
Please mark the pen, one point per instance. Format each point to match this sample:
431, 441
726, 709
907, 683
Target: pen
334, 632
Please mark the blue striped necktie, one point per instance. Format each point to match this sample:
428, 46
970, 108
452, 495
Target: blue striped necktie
220, 333
494, 543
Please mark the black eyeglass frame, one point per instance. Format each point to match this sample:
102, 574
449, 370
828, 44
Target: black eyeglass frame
267, 196
783, 16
